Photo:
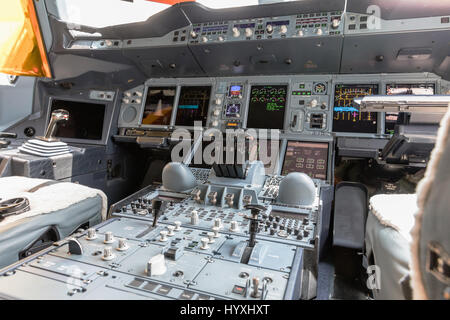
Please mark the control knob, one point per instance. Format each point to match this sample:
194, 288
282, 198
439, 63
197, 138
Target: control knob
204, 39
91, 234
123, 246
109, 237
194, 217
108, 254
319, 32
234, 226
300, 33
269, 28
205, 242
163, 236
211, 237
248, 32
236, 32
283, 29
177, 225
171, 229
335, 23
193, 34
156, 266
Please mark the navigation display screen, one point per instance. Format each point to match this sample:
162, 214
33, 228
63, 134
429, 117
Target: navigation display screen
306, 157
393, 118
193, 105
267, 107
346, 114
159, 105
85, 120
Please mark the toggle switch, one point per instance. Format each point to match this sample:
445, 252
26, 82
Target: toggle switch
194, 217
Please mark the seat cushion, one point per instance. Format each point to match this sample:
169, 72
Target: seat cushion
390, 220
46, 199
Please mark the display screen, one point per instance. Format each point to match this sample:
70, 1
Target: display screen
306, 157
267, 107
235, 91
193, 105
394, 118
85, 120
159, 105
233, 110
346, 114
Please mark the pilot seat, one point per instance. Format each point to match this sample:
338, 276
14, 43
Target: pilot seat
36, 212
406, 236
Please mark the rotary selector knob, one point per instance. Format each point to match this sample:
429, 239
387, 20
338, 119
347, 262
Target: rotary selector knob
314, 103
171, 229
319, 32
91, 234
177, 225
108, 254
211, 237
221, 39
138, 101
335, 23
236, 32
128, 94
269, 28
137, 93
300, 33
215, 123
205, 242
109, 237
216, 232
123, 246
234, 226
218, 101
248, 32
218, 223
194, 217
216, 112
126, 100
204, 39
156, 266
193, 34
163, 236
283, 29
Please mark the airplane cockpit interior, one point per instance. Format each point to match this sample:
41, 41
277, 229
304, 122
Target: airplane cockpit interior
225, 150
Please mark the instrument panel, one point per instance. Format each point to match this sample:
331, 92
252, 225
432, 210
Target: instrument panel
299, 105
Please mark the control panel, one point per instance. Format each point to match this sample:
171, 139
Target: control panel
161, 244
295, 26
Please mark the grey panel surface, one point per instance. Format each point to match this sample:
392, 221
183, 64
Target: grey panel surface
360, 52
309, 55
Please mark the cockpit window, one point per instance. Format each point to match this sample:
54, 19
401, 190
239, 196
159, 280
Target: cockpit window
104, 13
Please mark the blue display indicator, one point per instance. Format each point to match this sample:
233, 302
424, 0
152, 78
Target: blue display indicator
278, 23
345, 109
188, 106
245, 25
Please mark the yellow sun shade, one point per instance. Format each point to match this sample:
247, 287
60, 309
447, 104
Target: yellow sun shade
22, 50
